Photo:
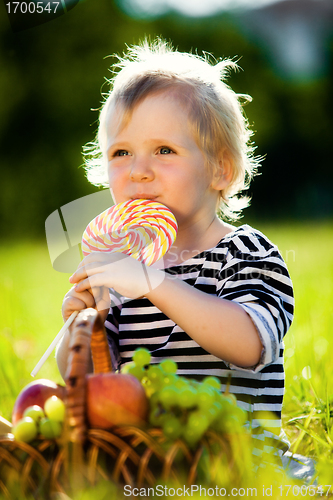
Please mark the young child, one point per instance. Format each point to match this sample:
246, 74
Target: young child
171, 130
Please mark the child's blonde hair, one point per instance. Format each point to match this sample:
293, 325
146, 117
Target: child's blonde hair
214, 109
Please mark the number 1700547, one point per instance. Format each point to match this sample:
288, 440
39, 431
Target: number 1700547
32, 7
305, 490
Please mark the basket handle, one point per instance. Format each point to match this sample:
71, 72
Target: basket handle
100, 351
87, 333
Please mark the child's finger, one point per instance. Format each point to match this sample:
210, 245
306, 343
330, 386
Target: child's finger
83, 285
70, 305
102, 298
76, 302
95, 280
98, 258
92, 262
88, 270
86, 259
85, 296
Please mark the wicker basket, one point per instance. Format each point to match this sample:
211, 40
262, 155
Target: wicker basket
124, 456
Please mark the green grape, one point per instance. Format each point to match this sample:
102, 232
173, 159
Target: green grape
50, 429
198, 422
232, 398
169, 366
168, 396
155, 375
217, 393
213, 382
239, 414
181, 382
35, 412
214, 411
194, 383
137, 371
216, 423
141, 356
211, 414
187, 396
217, 405
172, 428
170, 379
228, 405
190, 436
206, 396
154, 420
229, 425
55, 409
148, 386
25, 430
124, 368
154, 401
157, 417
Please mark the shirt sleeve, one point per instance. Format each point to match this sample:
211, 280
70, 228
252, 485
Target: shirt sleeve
256, 277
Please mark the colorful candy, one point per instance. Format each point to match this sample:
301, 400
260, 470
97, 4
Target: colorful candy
144, 229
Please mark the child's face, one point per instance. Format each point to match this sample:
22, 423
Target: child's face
155, 156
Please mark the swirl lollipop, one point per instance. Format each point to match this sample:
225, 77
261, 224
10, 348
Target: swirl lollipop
144, 229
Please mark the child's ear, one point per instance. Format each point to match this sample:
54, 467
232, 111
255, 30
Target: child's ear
223, 171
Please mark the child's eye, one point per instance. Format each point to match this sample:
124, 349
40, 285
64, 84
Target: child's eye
165, 151
121, 152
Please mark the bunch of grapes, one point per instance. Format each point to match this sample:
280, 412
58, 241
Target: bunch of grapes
182, 407
47, 422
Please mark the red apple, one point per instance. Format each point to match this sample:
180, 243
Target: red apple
115, 399
35, 393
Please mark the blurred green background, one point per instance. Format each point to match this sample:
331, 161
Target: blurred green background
52, 75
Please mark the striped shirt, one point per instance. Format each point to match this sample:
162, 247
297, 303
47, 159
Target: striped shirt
244, 267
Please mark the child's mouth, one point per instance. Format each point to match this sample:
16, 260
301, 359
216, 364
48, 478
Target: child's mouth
143, 197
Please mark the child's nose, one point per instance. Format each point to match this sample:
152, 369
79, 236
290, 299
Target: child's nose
141, 170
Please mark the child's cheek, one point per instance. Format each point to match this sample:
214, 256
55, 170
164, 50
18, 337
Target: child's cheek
117, 189
114, 180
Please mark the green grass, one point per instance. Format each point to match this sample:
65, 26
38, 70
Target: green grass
31, 295
308, 401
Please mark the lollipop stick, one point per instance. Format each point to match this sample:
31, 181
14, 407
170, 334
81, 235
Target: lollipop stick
54, 343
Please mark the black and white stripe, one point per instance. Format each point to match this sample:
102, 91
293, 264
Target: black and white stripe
244, 267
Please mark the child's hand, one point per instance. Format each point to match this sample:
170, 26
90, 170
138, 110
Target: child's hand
74, 301
121, 272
